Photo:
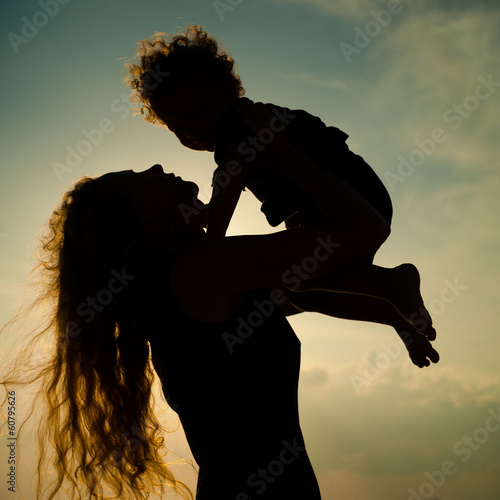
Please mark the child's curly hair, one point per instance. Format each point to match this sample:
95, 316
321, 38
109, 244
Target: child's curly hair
162, 63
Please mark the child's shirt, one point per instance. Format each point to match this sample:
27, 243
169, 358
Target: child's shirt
280, 197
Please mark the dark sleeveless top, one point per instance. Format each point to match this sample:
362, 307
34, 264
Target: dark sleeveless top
234, 386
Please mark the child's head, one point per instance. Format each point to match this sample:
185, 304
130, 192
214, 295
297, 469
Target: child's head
185, 84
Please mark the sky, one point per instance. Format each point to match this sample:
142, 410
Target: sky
416, 85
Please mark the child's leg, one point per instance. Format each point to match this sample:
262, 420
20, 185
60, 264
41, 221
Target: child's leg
400, 286
366, 308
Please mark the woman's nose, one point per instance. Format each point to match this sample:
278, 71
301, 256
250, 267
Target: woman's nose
155, 169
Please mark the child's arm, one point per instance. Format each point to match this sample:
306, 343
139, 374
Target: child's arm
228, 184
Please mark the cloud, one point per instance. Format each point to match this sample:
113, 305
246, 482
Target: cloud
341, 8
315, 376
432, 67
361, 9
452, 228
317, 81
468, 201
320, 82
405, 420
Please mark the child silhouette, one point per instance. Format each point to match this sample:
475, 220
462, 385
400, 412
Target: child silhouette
189, 85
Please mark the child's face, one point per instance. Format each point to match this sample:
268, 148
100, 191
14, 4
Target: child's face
191, 111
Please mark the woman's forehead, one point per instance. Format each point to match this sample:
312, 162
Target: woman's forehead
122, 181
123, 174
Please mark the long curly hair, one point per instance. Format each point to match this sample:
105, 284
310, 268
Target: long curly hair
164, 59
96, 384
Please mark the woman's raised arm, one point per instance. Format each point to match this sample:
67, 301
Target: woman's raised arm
226, 266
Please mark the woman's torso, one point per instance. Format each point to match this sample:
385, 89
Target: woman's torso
234, 386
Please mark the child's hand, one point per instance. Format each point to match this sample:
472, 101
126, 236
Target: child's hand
270, 137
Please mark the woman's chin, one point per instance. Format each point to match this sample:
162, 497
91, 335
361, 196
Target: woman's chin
200, 146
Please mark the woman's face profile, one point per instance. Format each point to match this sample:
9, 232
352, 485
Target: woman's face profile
158, 194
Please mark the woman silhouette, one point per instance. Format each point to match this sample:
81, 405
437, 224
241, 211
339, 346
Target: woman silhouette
133, 274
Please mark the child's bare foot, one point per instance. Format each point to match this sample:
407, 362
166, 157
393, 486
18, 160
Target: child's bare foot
408, 301
419, 348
